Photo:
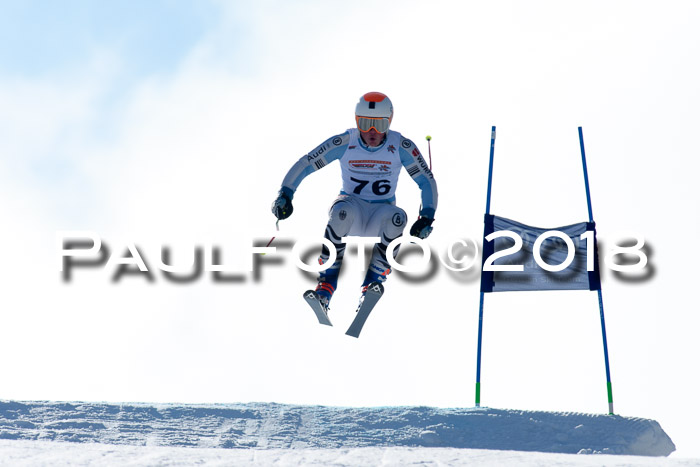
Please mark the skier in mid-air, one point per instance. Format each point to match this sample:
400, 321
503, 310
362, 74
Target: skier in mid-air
370, 158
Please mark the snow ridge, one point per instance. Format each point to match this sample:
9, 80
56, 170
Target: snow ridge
278, 426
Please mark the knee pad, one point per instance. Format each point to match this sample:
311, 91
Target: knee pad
341, 217
395, 223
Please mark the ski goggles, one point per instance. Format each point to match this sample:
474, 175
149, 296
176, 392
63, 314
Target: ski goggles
364, 124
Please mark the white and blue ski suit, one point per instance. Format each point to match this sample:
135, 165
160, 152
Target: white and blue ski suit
366, 205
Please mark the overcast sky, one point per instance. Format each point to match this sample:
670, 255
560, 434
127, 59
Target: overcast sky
174, 123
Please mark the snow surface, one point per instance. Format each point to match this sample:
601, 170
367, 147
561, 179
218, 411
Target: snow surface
47, 453
36, 433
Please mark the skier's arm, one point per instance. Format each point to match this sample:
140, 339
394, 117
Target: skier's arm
330, 150
419, 171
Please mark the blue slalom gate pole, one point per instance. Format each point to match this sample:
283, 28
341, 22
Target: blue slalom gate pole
477, 401
605, 352
585, 174
481, 294
600, 292
488, 192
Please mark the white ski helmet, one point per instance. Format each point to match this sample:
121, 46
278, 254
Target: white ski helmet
374, 111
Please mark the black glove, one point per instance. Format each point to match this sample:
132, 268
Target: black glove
282, 207
421, 228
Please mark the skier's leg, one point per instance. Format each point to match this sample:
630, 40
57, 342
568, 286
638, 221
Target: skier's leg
387, 222
342, 215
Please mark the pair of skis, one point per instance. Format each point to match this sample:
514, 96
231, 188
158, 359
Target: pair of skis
371, 297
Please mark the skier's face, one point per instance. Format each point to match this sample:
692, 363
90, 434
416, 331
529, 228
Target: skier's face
372, 137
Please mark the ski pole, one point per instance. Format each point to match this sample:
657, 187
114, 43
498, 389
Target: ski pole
430, 156
277, 226
430, 162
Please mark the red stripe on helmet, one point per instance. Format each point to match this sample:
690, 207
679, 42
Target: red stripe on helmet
374, 97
